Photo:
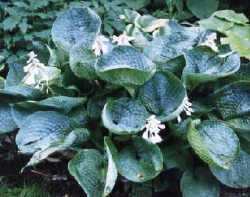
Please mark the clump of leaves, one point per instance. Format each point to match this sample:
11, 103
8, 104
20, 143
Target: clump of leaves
119, 105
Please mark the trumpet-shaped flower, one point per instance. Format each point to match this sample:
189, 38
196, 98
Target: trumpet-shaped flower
153, 127
187, 108
37, 72
122, 39
101, 45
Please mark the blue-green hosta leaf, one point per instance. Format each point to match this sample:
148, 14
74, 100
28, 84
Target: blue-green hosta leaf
15, 74
124, 116
20, 92
242, 74
233, 100
41, 129
82, 62
7, 124
202, 9
111, 174
203, 65
64, 104
63, 141
77, 25
166, 47
199, 183
238, 176
163, 95
125, 66
140, 162
214, 142
87, 168
240, 124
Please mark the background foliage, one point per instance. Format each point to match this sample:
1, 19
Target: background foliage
26, 26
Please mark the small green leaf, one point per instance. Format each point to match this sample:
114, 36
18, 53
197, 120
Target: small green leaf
125, 66
149, 23
87, 168
163, 95
82, 62
203, 65
197, 7
77, 25
140, 162
214, 142
199, 183
124, 116
238, 176
232, 100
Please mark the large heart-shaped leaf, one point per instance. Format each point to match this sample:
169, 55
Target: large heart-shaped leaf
87, 168
164, 48
199, 183
125, 66
203, 64
63, 141
7, 123
233, 100
41, 129
238, 176
140, 162
215, 142
197, 7
77, 25
124, 116
163, 95
82, 62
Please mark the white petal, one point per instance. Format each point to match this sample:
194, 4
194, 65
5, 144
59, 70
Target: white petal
156, 139
179, 119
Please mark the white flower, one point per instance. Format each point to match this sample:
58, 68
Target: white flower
186, 108
122, 39
210, 42
37, 72
153, 127
101, 45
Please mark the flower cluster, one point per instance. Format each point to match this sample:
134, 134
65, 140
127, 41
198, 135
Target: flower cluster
153, 127
35, 71
123, 39
187, 108
101, 45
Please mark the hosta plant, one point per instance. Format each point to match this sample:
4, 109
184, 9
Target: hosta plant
158, 97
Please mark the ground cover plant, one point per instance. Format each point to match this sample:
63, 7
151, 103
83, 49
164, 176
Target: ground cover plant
152, 106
